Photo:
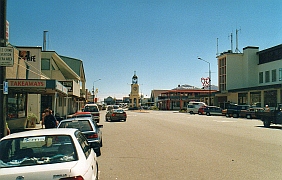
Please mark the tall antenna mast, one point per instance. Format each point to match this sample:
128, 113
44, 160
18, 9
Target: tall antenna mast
231, 36
44, 40
237, 50
216, 46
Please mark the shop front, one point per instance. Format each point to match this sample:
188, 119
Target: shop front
31, 96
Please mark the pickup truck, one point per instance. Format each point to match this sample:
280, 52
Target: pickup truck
234, 110
271, 117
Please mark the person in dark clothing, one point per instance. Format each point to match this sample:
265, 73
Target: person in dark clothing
49, 119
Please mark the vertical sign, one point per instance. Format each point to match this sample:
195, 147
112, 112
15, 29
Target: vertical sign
7, 32
5, 87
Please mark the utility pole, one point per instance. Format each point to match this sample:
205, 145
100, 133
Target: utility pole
3, 132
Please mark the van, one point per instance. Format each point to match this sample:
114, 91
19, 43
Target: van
193, 107
94, 110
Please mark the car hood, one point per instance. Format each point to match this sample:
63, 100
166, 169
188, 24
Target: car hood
42, 172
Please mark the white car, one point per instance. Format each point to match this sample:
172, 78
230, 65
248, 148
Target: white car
58, 154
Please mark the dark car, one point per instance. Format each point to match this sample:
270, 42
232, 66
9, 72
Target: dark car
116, 115
250, 113
89, 128
213, 110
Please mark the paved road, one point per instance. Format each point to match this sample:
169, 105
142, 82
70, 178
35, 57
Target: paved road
168, 145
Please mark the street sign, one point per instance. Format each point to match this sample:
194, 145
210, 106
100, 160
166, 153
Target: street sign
5, 87
6, 56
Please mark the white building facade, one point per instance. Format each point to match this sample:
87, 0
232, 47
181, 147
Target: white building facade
253, 77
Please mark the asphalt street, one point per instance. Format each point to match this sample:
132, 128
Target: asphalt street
170, 145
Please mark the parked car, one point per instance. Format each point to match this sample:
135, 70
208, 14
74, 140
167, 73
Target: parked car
193, 107
116, 115
234, 110
251, 113
89, 128
93, 108
271, 116
201, 110
47, 154
213, 110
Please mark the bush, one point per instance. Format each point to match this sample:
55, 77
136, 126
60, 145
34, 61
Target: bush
154, 108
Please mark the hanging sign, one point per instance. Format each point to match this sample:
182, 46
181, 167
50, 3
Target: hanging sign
6, 56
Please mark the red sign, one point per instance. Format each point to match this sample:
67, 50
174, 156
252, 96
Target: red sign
27, 83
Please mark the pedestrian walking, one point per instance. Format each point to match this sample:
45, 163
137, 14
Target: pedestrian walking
49, 119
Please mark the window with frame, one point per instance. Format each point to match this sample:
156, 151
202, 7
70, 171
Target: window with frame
280, 74
16, 106
273, 75
83, 143
267, 76
260, 77
45, 64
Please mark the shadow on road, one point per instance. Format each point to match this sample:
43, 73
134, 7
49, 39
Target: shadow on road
271, 127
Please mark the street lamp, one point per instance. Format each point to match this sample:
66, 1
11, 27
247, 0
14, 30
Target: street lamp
94, 90
209, 78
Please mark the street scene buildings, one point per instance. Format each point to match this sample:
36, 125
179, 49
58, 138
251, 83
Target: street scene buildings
43, 79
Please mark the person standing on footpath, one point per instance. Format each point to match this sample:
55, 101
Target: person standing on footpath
49, 119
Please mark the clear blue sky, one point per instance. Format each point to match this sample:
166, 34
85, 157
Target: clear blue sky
159, 39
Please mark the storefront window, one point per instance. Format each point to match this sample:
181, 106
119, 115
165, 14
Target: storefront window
16, 106
255, 99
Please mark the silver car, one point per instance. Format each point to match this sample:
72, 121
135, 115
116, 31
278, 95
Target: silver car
89, 128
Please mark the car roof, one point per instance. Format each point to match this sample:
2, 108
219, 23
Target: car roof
82, 113
213, 106
91, 105
77, 119
39, 132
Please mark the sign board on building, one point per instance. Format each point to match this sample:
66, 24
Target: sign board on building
5, 87
6, 56
27, 83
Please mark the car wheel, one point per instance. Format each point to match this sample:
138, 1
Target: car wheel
266, 123
199, 113
208, 114
101, 143
235, 115
226, 115
106, 118
248, 116
98, 152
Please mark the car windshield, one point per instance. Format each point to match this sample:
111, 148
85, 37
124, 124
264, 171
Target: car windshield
82, 115
118, 110
91, 109
36, 150
82, 125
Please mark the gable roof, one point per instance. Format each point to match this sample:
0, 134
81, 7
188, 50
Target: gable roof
76, 65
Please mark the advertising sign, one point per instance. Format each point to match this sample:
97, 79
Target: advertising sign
6, 56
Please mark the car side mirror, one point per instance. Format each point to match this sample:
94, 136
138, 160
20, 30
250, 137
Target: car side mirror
100, 126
